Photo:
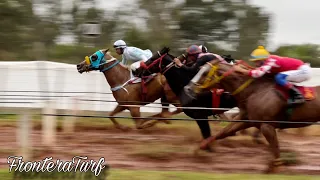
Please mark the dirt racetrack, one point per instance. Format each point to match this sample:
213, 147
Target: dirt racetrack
167, 147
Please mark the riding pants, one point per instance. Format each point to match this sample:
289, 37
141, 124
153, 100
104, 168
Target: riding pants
285, 78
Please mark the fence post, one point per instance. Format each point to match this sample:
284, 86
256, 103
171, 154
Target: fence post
69, 121
24, 135
49, 124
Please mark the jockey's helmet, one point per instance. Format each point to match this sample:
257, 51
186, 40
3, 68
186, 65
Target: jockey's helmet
259, 54
203, 48
119, 44
193, 50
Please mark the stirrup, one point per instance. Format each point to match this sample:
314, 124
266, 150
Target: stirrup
296, 101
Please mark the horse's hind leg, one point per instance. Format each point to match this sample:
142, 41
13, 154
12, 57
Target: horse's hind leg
270, 134
255, 135
115, 123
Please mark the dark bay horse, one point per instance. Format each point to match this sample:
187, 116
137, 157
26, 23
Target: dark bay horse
177, 79
259, 100
128, 92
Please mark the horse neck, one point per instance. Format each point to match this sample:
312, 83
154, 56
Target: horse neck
177, 79
117, 75
234, 81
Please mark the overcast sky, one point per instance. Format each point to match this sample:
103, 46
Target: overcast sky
293, 21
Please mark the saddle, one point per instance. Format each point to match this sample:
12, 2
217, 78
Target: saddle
144, 81
308, 92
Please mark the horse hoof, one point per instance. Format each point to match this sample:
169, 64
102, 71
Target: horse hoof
123, 128
258, 141
209, 149
196, 151
273, 170
274, 167
204, 144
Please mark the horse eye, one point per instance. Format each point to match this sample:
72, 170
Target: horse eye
94, 57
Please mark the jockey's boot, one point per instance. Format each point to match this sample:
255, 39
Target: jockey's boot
296, 96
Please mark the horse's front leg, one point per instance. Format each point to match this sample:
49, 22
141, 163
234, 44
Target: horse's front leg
115, 123
229, 130
136, 114
140, 123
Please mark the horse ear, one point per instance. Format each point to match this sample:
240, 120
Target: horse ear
105, 50
165, 50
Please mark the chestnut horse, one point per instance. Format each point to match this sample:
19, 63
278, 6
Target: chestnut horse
259, 100
127, 90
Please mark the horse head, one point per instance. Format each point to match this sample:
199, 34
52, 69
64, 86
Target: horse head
228, 58
160, 62
209, 76
96, 61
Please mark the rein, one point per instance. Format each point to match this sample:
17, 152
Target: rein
213, 72
109, 67
162, 71
144, 66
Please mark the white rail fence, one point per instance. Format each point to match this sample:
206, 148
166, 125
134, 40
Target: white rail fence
62, 82
52, 86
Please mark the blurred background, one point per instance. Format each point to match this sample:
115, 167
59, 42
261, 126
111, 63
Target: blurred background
42, 40
56, 30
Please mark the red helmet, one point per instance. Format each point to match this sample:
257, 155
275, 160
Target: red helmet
193, 49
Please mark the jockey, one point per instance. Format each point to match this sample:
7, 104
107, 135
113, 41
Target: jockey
131, 54
189, 62
195, 54
287, 70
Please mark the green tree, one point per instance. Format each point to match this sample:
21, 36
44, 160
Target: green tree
47, 26
159, 22
253, 29
134, 37
81, 14
306, 52
225, 26
16, 27
203, 21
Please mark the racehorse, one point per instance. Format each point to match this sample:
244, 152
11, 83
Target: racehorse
177, 79
129, 90
259, 100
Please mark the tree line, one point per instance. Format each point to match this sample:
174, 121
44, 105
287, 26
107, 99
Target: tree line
30, 28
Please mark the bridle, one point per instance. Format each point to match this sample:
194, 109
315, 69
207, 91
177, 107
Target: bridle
159, 60
103, 62
208, 82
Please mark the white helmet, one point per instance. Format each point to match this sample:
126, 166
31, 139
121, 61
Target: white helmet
119, 44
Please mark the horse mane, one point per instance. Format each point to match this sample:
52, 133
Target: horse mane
171, 56
123, 66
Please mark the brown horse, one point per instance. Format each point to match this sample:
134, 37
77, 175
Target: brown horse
128, 90
260, 100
